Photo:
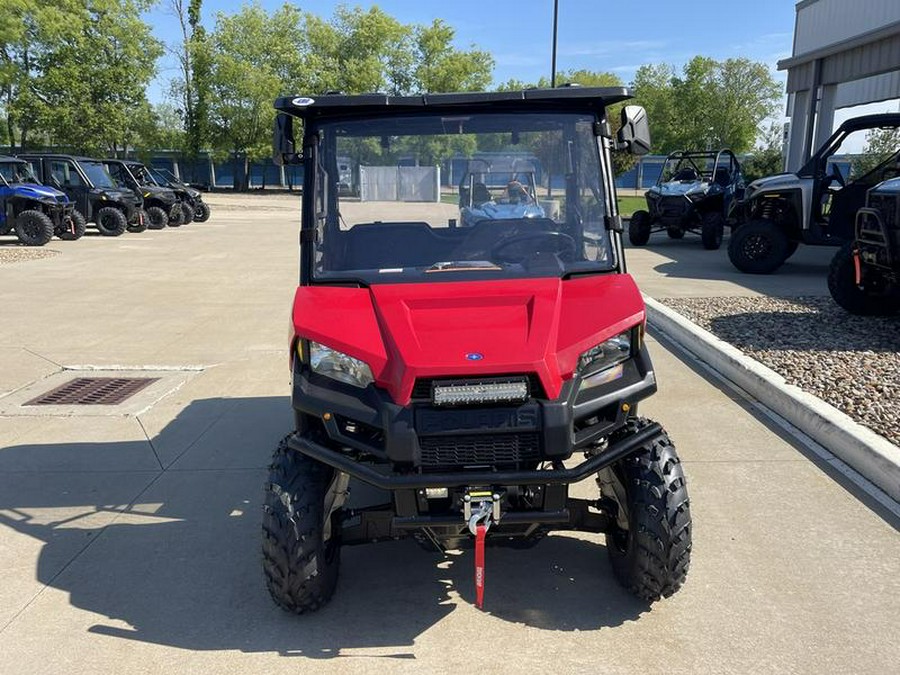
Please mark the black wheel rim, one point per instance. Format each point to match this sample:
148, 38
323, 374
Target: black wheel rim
756, 247
32, 229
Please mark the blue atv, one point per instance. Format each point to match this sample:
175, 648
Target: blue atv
33, 211
486, 194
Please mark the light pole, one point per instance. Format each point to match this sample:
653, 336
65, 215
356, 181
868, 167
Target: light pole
553, 56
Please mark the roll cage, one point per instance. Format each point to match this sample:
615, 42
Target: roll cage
694, 165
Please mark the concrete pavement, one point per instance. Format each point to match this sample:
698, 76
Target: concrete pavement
130, 544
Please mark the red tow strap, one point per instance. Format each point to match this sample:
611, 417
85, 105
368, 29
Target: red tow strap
857, 271
480, 532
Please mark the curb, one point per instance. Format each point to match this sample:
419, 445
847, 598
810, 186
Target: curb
874, 457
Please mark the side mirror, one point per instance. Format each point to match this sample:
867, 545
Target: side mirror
634, 134
284, 149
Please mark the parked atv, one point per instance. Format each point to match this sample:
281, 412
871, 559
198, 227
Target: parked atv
864, 277
814, 206
191, 198
90, 188
442, 376
161, 205
33, 211
696, 192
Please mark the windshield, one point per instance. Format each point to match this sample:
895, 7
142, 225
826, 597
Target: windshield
98, 174
141, 174
431, 197
163, 177
18, 172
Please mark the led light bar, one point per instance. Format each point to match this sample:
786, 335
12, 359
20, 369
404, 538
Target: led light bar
487, 392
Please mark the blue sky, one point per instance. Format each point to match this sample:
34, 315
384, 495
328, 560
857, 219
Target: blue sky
616, 36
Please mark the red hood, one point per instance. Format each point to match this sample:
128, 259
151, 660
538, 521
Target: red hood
408, 331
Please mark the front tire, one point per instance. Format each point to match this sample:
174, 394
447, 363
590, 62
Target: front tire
157, 218
639, 228
300, 566
758, 247
650, 545
140, 223
111, 222
712, 229
75, 229
175, 216
201, 212
34, 228
870, 299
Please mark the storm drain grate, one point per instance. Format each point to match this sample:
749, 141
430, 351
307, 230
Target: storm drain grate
94, 391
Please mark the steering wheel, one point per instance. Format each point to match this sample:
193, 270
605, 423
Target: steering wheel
565, 245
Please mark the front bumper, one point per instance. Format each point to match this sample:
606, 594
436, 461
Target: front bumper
422, 443
398, 480
673, 210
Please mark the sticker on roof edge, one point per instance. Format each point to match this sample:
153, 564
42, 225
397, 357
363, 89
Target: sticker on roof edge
303, 101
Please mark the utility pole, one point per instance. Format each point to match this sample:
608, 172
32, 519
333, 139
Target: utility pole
553, 57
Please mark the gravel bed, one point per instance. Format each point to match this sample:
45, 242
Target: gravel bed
851, 362
14, 254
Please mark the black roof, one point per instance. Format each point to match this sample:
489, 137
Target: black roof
10, 158
126, 162
871, 122
366, 104
62, 155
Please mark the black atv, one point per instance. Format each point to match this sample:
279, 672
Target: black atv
91, 189
864, 277
696, 192
161, 206
191, 198
33, 211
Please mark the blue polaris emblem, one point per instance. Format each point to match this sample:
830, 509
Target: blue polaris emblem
302, 101
474, 356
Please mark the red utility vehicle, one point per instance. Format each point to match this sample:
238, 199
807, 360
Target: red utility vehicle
451, 379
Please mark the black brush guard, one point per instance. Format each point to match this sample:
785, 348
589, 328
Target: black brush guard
462, 478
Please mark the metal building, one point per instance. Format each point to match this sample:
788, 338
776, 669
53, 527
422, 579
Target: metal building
846, 53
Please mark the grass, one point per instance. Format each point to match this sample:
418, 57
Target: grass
628, 205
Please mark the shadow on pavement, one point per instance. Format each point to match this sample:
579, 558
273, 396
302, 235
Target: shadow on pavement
181, 565
803, 274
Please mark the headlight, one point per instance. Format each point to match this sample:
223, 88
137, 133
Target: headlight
606, 354
338, 366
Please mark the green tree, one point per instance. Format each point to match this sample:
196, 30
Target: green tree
710, 105
442, 67
550, 159
254, 57
768, 158
880, 145
357, 51
653, 87
27, 29
191, 87
76, 69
